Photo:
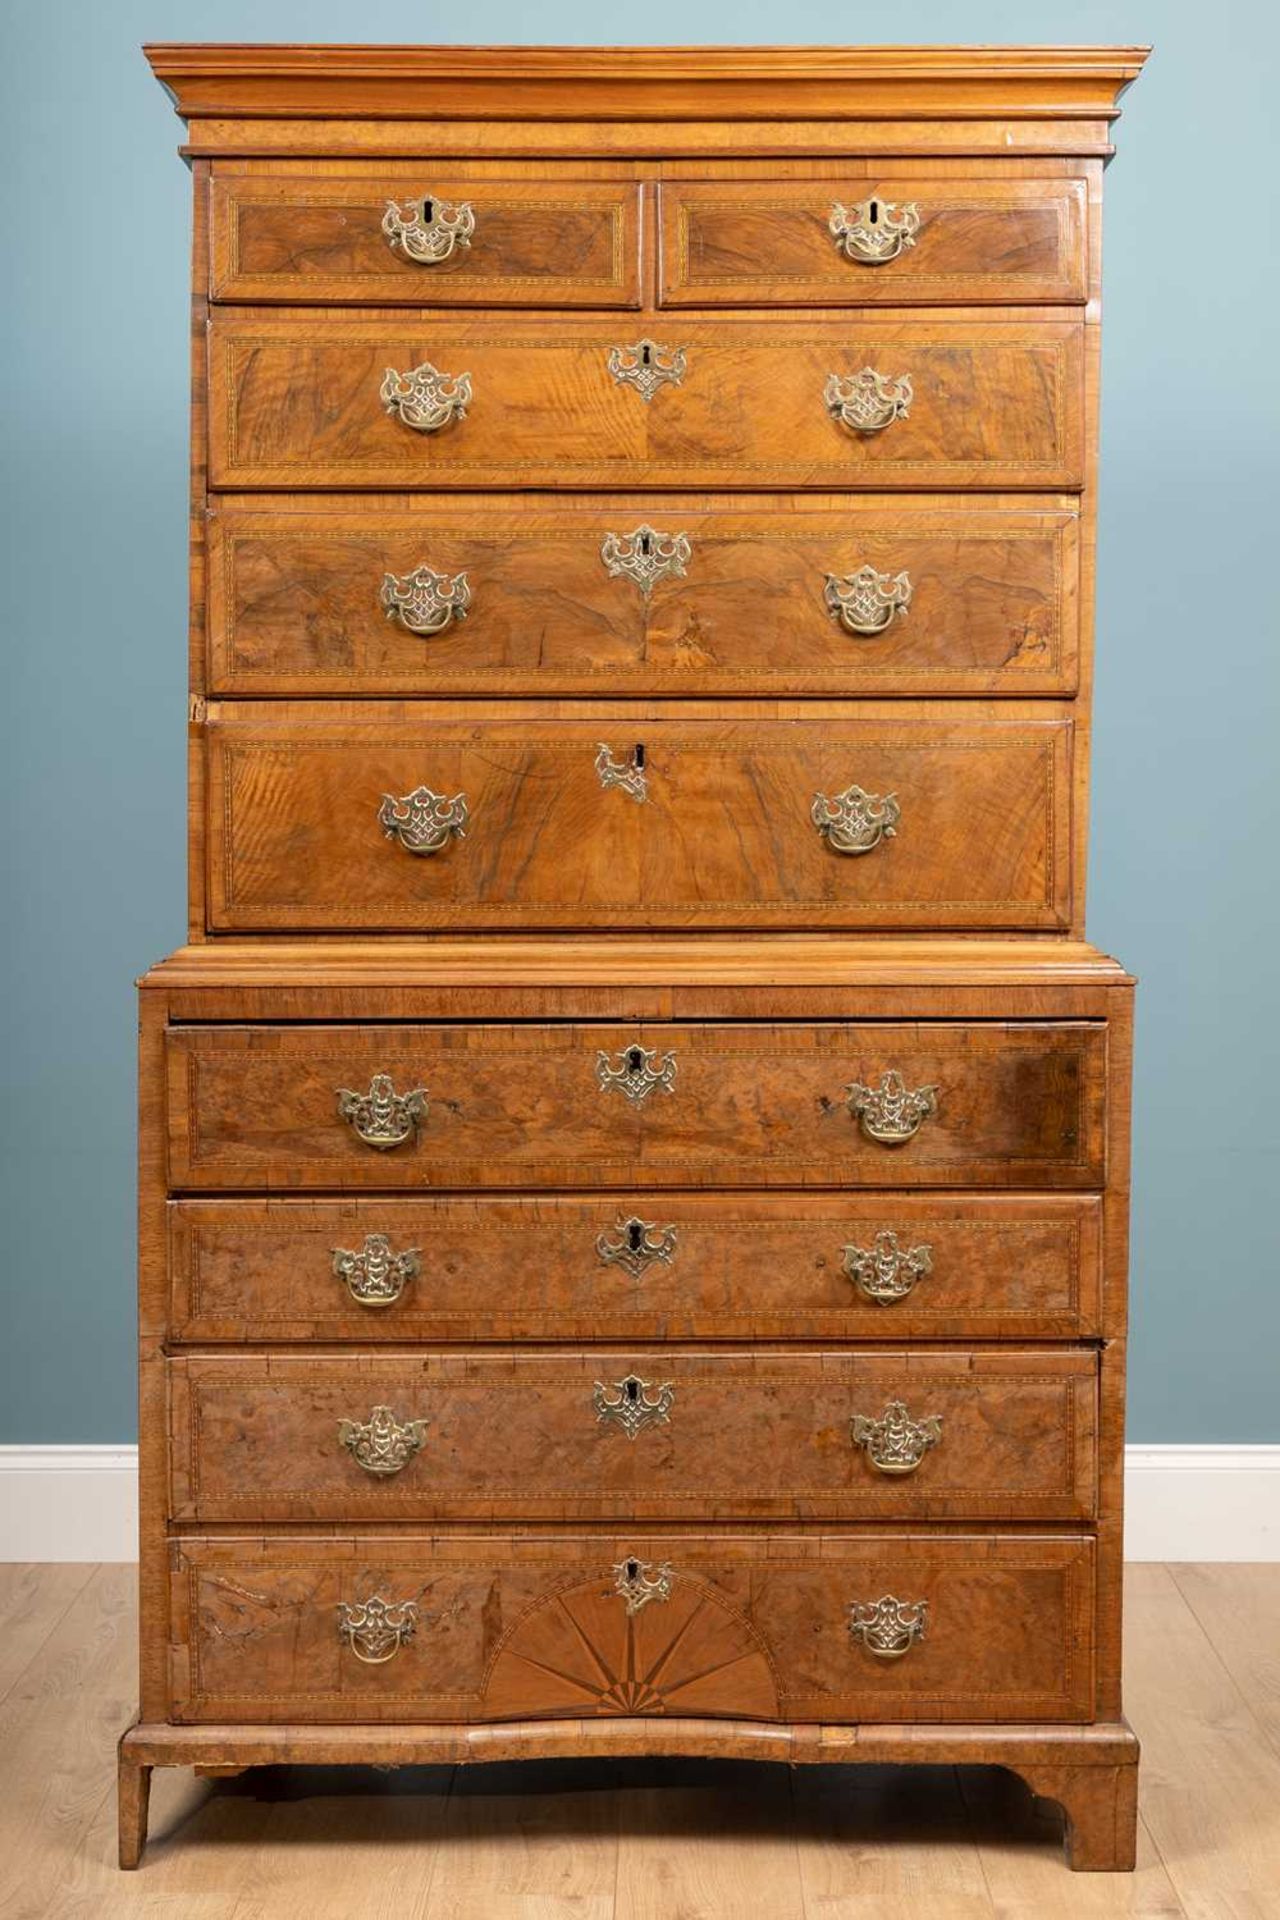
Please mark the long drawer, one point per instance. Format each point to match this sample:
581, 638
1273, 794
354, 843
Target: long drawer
382, 818
658, 1434
645, 1105
883, 596
578, 1267
301, 402
464, 1627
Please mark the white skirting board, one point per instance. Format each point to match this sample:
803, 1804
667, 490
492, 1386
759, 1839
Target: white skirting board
1182, 1503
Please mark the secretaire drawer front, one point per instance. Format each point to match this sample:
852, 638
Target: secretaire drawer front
643, 1105
381, 820
423, 236
883, 596
872, 242
578, 1267
446, 402
657, 1433
830, 1627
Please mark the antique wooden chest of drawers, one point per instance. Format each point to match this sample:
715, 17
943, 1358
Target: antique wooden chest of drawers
634, 1155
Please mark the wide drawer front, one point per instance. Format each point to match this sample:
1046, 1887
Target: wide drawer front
578, 1267
871, 242
646, 1105
735, 403
664, 1434
385, 819
867, 597
836, 1627
421, 237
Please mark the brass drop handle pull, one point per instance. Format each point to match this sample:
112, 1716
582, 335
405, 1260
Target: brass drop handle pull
895, 1443
635, 1245
635, 1075
893, 1112
382, 1117
888, 1627
429, 231
884, 1271
425, 601
867, 401
640, 1581
874, 231
377, 1275
866, 602
855, 821
647, 367
424, 398
382, 1445
376, 1630
424, 821
633, 1404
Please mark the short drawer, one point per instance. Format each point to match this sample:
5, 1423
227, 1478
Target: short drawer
656, 1434
422, 237
645, 1105
578, 1267
466, 1627
872, 242
643, 596
385, 819
361, 402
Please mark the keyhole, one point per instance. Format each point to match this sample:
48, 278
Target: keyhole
633, 1391
633, 1569
635, 1236
635, 1060
873, 213
646, 543
428, 212
637, 758
646, 354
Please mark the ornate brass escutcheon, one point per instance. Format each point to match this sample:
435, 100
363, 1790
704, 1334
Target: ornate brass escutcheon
627, 774
640, 1581
429, 231
875, 231
636, 1245
884, 1271
633, 1404
895, 1443
382, 1117
867, 401
646, 556
382, 1445
424, 398
635, 1074
377, 1275
893, 1111
888, 1627
424, 821
376, 1630
865, 602
424, 601
646, 366
855, 821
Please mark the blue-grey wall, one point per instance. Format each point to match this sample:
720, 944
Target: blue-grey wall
1186, 820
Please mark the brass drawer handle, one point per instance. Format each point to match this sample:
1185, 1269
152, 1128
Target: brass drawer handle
423, 601
646, 366
895, 1443
884, 1271
376, 1630
429, 231
865, 602
636, 1245
424, 398
629, 775
867, 401
423, 821
855, 821
875, 231
893, 1111
382, 1445
635, 1074
646, 556
382, 1117
640, 1581
632, 1404
888, 1628
377, 1275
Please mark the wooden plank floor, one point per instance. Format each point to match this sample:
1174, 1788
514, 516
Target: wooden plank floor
654, 1840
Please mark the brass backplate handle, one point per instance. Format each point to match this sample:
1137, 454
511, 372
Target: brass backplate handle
647, 367
635, 1073
424, 821
635, 1245
646, 556
867, 401
382, 1445
866, 602
424, 601
895, 1443
855, 821
376, 1629
377, 1275
888, 1627
892, 1112
429, 231
382, 1117
884, 1271
424, 398
633, 1404
874, 231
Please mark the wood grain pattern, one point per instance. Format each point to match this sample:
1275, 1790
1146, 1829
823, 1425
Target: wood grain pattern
295, 403
516, 1106
294, 598
725, 836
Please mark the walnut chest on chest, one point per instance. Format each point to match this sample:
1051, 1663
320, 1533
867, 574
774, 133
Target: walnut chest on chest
634, 1155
